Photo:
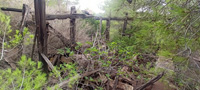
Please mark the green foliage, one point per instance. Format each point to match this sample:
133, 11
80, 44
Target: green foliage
66, 51
168, 28
14, 36
70, 71
95, 24
28, 76
53, 3
70, 68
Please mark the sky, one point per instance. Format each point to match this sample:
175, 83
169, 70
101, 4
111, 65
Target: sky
93, 5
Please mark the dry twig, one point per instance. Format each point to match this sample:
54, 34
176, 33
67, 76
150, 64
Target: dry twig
2, 51
152, 81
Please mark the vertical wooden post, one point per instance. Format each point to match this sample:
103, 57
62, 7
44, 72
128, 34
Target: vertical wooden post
73, 28
107, 32
100, 26
40, 18
125, 25
25, 12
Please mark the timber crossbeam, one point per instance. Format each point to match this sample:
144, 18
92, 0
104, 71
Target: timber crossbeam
52, 17
68, 16
11, 9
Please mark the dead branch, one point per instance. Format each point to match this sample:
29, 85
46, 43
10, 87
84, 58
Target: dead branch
50, 64
89, 73
47, 61
115, 82
62, 84
2, 52
64, 40
54, 60
34, 41
22, 80
152, 81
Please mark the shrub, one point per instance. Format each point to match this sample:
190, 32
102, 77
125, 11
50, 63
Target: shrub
27, 76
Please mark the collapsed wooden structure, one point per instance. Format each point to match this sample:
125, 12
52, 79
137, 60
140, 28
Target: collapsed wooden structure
41, 25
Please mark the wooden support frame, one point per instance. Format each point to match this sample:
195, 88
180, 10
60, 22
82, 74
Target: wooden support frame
41, 29
68, 16
40, 18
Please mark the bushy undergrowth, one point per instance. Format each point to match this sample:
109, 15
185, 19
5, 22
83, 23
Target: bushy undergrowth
27, 76
169, 31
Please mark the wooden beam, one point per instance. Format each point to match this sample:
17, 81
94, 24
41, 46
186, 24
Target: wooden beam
40, 18
67, 16
73, 28
113, 18
11, 9
53, 17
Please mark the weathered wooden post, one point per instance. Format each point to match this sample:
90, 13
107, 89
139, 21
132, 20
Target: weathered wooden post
107, 32
73, 27
25, 12
125, 25
40, 18
100, 26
